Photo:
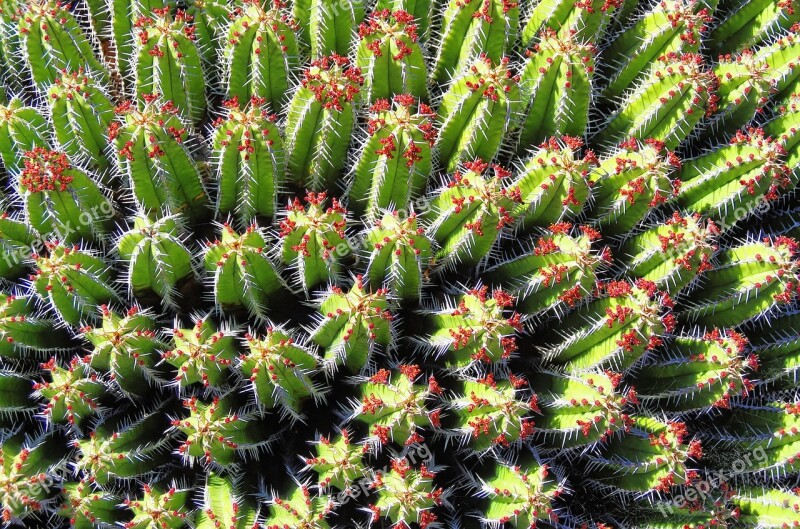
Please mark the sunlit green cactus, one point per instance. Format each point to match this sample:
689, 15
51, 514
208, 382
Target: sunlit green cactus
28, 475
243, 276
223, 502
772, 508
396, 406
328, 27
553, 183
24, 333
81, 112
260, 55
746, 282
167, 509
399, 255
697, 373
746, 24
353, 325
672, 254
168, 62
53, 40
666, 104
407, 495
156, 164
478, 328
556, 272
280, 369
423, 12
338, 461
72, 393
320, 121
389, 56
22, 129
587, 21
467, 216
494, 414
396, 158
614, 330
73, 282
202, 354
731, 181
314, 241
300, 508
482, 101
669, 27
473, 28
61, 200
248, 158
630, 182
557, 78
85, 504
126, 346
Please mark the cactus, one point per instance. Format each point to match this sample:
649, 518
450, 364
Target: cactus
22, 129
479, 103
466, 218
407, 495
161, 508
248, 159
320, 120
300, 509
422, 10
84, 505
201, 354
747, 24
72, 393
395, 160
23, 333
260, 54
168, 62
588, 21
326, 27
471, 29
390, 57
399, 255
557, 79
338, 462
222, 501
26, 470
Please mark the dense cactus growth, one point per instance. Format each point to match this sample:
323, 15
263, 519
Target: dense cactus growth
399, 264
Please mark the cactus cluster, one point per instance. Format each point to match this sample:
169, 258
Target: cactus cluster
402, 264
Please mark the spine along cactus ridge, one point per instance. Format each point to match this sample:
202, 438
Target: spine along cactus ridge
399, 264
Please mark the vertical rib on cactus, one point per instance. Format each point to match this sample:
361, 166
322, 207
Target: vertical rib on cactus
493, 415
123, 15
390, 57
260, 54
73, 282
698, 373
157, 259
12, 64
477, 330
672, 254
671, 27
299, 508
153, 158
320, 122
53, 41
616, 329
248, 158
353, 325
407, 495
168, 63
223, 501
748, 24
480, 105
467, 216
279, 369
395, 406
81, 112
331, 27
748, 281
586, 20
243, 276
202, 354
22, 128
396, 159
557, 79
314, 240
124, 449
553, 182
338, 462
473, 28
61, 200
630, 182
521, 495
556, 272
666, 103
72, 393
771, 508
729, 183
126, 347
580, 411
399, 255
24, 333
210, 19
16, 240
